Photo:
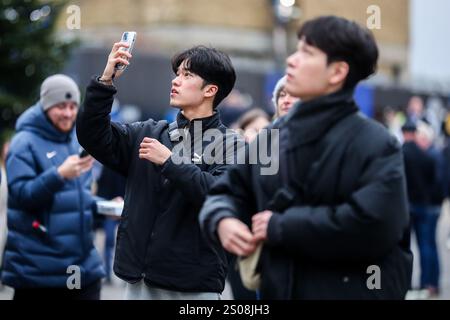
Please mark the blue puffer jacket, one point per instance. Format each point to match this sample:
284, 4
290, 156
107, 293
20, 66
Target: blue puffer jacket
64, 207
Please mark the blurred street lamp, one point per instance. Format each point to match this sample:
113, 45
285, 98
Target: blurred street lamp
287, 3
284, 12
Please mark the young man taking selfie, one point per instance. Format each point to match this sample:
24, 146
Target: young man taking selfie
160, 251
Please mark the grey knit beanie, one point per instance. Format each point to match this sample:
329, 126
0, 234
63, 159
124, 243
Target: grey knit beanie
58, 88
276, 91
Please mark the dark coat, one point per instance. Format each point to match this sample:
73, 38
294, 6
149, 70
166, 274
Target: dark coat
159, 239
346, 207
64, 207
420, 170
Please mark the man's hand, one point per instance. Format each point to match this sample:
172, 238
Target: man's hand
118, 199
154, 151
115, 57
260, 222
236, 237
74, 166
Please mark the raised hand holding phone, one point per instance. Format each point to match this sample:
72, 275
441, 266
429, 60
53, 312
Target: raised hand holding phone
119, 57
128, 37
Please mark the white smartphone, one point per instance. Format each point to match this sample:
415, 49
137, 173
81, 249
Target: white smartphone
110, 208
128, 37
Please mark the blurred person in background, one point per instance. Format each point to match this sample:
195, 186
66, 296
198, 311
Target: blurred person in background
234, 106
430, 269
252, 122
281, 99
4, 146
435, 115
446, 155
393, 120
415, 110
50, 203
420, 173
446, 160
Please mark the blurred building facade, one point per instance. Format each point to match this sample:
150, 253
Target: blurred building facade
392, 37
255, 34
242, 28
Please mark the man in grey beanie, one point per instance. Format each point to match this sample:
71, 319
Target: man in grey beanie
50, 202
60, 98
58, 88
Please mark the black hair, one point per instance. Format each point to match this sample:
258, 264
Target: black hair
343, 40
409, 126
212, 65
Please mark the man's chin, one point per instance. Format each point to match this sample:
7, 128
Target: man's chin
290, 89
174, 104
65, 129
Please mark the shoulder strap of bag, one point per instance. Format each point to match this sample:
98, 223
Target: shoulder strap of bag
173, 135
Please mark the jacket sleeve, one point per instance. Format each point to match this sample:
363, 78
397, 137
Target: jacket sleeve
191, 180
367, 226
231, 196
194, 182
108, 142
26, 188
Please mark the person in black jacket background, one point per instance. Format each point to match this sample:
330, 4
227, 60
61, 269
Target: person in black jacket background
334, 221
425, 177
159, 251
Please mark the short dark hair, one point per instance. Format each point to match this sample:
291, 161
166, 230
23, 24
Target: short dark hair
409, 126
343, 40
212, 65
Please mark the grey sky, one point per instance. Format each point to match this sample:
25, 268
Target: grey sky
430, 39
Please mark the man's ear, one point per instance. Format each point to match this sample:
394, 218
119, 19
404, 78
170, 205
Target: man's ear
338, 72
210, 90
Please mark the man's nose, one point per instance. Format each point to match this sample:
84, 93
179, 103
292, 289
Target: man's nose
68, 112
176, 81
289, 60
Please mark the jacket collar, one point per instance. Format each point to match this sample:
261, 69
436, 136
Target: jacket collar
212, 121
310, 120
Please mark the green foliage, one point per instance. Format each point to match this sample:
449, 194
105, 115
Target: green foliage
29, 52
